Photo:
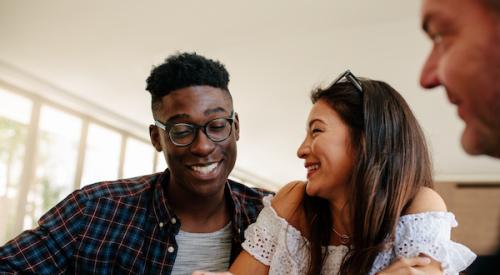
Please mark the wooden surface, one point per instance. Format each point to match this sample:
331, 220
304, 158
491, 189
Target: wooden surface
477, 210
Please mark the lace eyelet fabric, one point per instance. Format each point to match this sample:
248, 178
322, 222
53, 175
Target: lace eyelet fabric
277, 244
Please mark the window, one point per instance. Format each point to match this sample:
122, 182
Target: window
102, 155
15, 113
57, 154
138, 158
161, 164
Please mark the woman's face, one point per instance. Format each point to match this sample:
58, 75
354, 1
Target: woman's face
327, 152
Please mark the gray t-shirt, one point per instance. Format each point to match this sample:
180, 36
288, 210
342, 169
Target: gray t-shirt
203, 251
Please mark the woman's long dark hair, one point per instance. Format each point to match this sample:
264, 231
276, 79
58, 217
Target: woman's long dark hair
391, 164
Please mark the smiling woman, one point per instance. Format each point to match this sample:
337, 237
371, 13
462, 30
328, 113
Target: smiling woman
368, 205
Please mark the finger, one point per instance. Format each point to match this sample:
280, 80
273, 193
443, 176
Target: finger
401, 262
396, 264
210, 273
404, 270
419, 261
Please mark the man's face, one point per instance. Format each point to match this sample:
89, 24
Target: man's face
201, 168
465, 59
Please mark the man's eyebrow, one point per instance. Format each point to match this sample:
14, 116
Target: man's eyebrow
214, 111
425, 23
178, 116
206, 112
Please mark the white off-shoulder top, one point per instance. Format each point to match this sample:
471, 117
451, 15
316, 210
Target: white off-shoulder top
277, 244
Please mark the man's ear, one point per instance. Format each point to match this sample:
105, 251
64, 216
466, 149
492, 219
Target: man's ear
236, 126
154, 136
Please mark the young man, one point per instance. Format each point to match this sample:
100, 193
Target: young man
188, 217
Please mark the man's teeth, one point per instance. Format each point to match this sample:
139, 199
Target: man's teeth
205, 169
312, 167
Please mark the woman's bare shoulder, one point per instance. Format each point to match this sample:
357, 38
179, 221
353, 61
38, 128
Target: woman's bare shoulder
426, 200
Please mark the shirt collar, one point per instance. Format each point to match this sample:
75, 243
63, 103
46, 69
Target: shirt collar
164, 213
235, 209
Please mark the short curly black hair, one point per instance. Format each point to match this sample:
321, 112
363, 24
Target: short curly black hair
185, 70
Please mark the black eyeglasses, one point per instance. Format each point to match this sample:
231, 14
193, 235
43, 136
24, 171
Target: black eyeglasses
351, 78
183, 134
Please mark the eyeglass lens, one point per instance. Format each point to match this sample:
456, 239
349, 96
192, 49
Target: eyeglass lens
216, 130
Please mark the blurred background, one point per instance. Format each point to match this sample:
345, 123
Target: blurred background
74, 111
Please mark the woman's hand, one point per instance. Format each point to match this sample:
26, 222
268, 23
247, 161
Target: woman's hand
406, 266
211, 273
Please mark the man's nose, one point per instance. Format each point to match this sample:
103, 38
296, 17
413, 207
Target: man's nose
202, 145
429, 75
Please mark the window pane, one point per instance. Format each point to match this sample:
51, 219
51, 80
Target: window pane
161, 164
102, 156
15, 107
59, 139
138, 158
15, 113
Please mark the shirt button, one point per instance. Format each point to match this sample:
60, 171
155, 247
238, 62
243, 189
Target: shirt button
173, 220
161, 225
170, 249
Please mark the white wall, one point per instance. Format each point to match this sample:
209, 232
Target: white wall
275, 51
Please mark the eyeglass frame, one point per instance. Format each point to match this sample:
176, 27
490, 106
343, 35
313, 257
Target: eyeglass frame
351, 78
167, 126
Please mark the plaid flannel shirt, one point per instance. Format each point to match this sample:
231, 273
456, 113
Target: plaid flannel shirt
120, 227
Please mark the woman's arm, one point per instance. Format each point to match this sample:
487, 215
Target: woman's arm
412, 266
426, 200
286, 203
245, 264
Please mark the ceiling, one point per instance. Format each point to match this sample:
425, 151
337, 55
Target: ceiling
276, 52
